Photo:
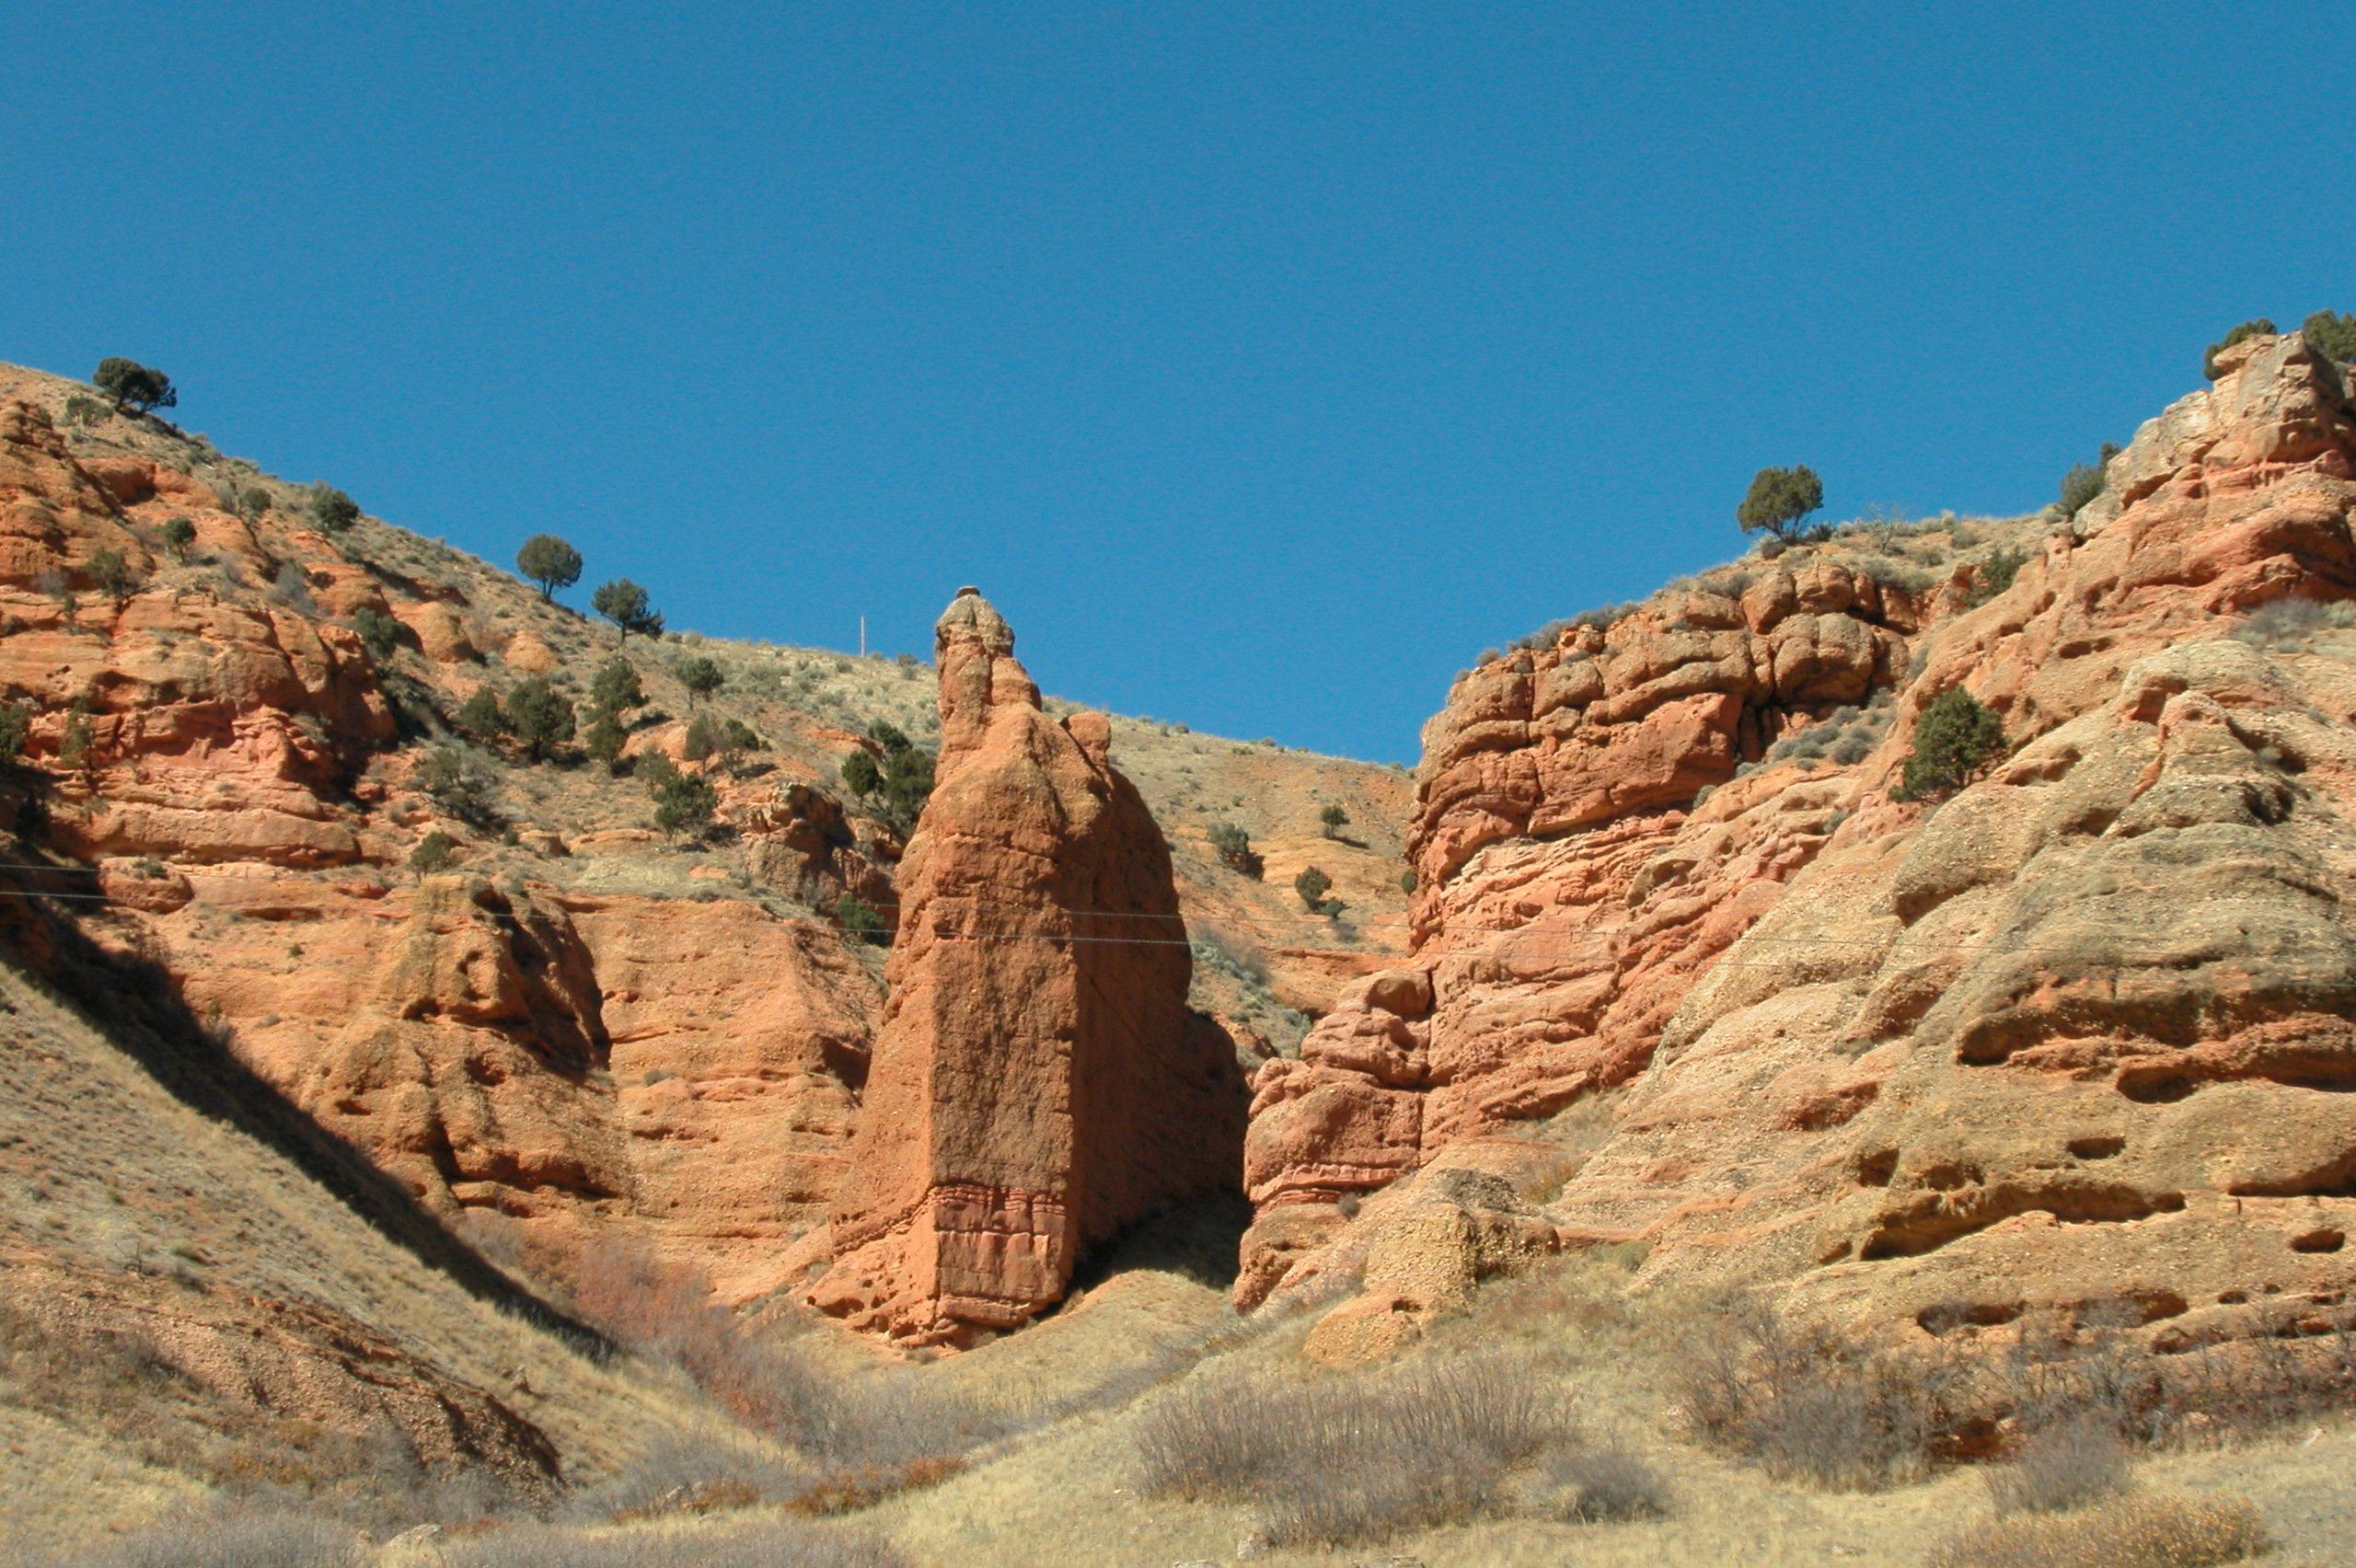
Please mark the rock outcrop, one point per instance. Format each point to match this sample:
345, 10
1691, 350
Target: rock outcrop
2079, 1035
1038, 1082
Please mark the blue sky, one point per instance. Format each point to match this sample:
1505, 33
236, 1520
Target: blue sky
1264, 363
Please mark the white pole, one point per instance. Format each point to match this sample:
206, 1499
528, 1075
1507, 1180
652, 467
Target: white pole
862, 637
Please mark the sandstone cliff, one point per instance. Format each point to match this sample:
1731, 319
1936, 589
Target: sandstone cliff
2079, 1035
1038, 1081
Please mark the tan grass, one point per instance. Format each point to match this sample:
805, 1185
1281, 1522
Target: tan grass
2163, 1530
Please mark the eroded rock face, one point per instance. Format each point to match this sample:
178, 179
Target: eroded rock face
2079, 1035
1038, 1082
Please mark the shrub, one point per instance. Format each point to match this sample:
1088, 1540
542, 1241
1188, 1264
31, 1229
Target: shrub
1408, 880
684, 803
81, 410
459, 783
437, 851
379, 633
1955, 737
550, 561
2081, 485
134, 387
2331, 334
540, 717
1587, 1486
15, 719
616, 686
1312, 885
700, 675
625, 603
1335, 1461
2162, 1530
1233, 847
332, 510
2243, 333
861, 920
2062, 1467
178, 535
111, 573
291, 588
2289, 624
1778, 500
480, 718
793, 1541
75, 746
1996, 574
1805, 1403
1335, 819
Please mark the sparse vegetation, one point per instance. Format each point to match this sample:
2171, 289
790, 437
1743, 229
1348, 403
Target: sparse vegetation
2081, 485
1995, 574
2067, 1465
1955, 737
1779, 501
480, 718
111, 574
178, 535
15, 722
1334, 819
2289, 625
550, 561
133, 387
2258, 327
684, 803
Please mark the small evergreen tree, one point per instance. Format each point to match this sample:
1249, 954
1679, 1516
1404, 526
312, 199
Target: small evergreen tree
625, 603
111, 573
79, 741
379, 633
437, 851
177, 535
861, 775
2332, 335
1779, 500
15, 722
1233, 847
1957, 734
860, 918
540, 717
605, 738
457, 781
332, 510
1335, 819
908, 785
2243, 333
1996, 574
2081, 485
616, 686
684, 803
700, 675
134, 387
550, 561
1312, 885
480, 718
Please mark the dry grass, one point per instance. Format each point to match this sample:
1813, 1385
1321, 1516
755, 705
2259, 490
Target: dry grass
2080, 1461
1344, 1460
235, 1535
779, 1541
2162, 1530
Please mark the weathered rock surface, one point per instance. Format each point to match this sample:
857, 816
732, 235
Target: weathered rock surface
2081, 1034
1038, 1082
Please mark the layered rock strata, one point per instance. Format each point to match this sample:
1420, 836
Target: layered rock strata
2078, 1036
